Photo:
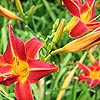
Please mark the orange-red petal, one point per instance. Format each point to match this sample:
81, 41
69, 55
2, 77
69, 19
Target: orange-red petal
78, 30
39, 69
90, 2
93, 25
23, 91
6, 76
73, 7
82, 77
9, 79
32, 47
87, 5
8, 56
91, 82
4, 67
96, 63
15, 46
84, 68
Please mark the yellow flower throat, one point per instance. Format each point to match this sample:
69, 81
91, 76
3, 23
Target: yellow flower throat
20, 68
95, 75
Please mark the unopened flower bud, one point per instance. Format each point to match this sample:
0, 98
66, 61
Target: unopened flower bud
59, 32
31, 10
83, 43
19, 6
8, 14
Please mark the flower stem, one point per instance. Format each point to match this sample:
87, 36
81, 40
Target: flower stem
96, 90
53, 53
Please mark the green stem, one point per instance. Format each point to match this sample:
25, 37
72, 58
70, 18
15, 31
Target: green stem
73, 97
96, 95
53, 53
96, 90
52, 14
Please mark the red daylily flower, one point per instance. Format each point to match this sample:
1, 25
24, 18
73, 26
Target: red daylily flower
18, 65
84, 13
91, 74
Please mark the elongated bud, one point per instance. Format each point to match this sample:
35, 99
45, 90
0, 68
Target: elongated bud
59, 32
8, 14
19, 6
55, 25
83, 43
31, 10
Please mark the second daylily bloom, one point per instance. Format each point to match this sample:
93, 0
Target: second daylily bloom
18, 65
83, 17
91, 74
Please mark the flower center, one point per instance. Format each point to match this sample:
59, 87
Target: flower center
95, 75
21, 68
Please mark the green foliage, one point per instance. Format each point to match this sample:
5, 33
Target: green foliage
39, 24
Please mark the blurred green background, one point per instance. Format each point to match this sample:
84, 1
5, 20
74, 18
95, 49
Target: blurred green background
39, 25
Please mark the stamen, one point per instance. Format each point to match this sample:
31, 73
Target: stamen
95, 18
